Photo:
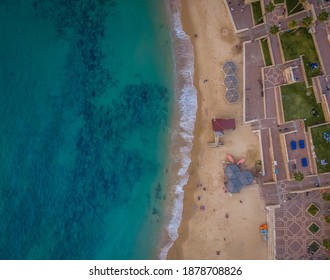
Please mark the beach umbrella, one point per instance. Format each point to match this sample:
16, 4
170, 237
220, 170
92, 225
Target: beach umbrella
229, 68
231, 82
232, 95
248, 177
243, 179
231, 171
234, 186
237, 178
230, 158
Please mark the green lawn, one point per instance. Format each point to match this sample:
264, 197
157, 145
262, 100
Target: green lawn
300, 42
321, 147
257, 13
278, 1
265, 50
290, 4
299, 103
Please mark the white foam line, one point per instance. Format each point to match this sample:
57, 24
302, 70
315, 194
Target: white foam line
187, 96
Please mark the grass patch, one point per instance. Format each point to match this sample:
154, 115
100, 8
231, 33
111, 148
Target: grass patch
313, 210
326, 243
257, 13
327, 219
326, 196
265, 50
278, 1
314, 247
321, 148
290, 4
300, 42
314, 228
299, 103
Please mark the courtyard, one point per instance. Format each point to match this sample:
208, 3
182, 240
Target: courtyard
296, 227
300, 42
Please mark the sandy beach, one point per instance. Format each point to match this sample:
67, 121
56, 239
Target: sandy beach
216, 225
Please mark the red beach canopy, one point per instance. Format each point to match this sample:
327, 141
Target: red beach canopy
223, 124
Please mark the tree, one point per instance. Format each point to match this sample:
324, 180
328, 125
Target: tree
268, 9
293, 24
323, 16
326, 243
300, 2
298, 176
274, 29
307, 22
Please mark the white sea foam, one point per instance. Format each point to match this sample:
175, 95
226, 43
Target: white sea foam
187, 99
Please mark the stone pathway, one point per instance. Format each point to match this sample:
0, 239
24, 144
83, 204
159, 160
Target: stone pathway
241, 14
292, 222
253, 82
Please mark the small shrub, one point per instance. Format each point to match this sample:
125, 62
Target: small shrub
274, 29
307, 22
323, 16
298, 176
314, 228
293, 24
326, 243
314, 247
326, 196
327, 218
313, 209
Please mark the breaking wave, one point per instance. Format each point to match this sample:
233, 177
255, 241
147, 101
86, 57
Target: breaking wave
182, 135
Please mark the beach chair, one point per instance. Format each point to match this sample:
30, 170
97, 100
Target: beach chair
304, 162
293, 145
301, 144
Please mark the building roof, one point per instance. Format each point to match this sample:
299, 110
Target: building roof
229, 68
223, 124
232, 95
231, 82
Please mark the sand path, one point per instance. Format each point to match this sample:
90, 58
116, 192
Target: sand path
228, 228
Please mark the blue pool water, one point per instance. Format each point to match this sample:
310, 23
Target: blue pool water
86, 96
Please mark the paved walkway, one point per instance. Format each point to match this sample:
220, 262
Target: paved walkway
273, 193
275, 17
275, 47
267, 160
324, 48
253, 82
274, 75
292, 222
241, 14
270, 103
278, 155
324, 82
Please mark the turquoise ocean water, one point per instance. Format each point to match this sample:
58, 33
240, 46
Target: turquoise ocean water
86, 97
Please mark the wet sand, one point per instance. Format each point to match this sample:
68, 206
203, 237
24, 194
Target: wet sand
216, 225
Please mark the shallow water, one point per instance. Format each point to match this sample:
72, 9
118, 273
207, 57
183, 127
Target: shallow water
86, 94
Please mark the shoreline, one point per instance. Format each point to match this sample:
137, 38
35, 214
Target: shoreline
209, 234
182, 126
175, 252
